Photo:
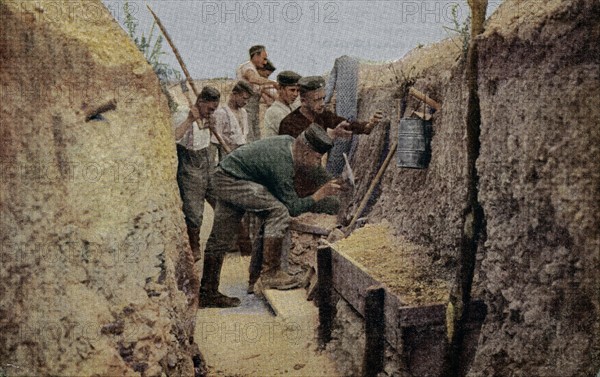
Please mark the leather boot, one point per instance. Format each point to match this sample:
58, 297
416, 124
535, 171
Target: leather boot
272, 276
256, 261
210, 297
194, 237
244, 242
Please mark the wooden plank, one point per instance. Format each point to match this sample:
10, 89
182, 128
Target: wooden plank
307, 228
326, 309
374, 352
424, 98
414, 330
393, 332
350, 280
417, 333
288, 304
430, 315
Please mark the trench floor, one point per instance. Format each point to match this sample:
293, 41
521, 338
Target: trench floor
251, 340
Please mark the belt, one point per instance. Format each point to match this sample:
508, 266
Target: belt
192, 152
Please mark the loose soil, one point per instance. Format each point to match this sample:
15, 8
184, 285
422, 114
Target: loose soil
401, 265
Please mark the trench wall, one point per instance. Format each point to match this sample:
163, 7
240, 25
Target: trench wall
92, 233
538, 167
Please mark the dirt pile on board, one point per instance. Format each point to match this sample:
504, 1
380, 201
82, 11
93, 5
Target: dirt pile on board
399, 264
92, 231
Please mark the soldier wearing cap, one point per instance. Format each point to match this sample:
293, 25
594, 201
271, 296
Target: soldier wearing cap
194, 167
285, 104
259, 178
312, 110
248, 71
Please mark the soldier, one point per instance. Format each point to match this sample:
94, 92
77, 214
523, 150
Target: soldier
259, 178
193, 162
312, 110
248, 71
285, 104
231, 120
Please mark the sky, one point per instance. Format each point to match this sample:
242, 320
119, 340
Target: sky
213, 37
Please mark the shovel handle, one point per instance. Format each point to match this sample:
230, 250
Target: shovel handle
374, 183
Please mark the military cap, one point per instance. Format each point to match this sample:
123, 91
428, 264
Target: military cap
243, 86
287, 78
269, 66
209, 94
317, 139
256, 50
310, 83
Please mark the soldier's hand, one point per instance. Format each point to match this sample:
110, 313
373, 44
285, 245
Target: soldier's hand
341, 131
377, 116
328, 189
375, 119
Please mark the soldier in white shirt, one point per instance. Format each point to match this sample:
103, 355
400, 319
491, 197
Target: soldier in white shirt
194, 166
231, 120
248, 71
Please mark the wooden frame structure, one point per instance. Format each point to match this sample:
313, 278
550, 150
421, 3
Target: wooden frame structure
417, 333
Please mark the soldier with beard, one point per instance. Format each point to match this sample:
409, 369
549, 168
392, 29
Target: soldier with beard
259, 178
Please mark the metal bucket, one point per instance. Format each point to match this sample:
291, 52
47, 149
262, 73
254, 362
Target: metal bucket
414, 143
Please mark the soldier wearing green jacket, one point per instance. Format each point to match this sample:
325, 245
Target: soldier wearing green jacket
259, 178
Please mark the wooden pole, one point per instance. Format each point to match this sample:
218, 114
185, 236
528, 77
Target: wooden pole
324, 299
187, 74
424, 98
175, 50
374, 353
374, 183
473, 217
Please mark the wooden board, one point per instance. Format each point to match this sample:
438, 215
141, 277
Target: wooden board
289, 304
308, 228
352, 282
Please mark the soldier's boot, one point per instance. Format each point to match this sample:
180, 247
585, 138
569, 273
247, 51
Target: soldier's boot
272, 276
194, 237
244, 242
210, 297
256, 261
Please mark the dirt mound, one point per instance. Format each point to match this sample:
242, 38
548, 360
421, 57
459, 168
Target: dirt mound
90, 220
401, 265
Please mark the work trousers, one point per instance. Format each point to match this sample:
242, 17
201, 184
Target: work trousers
193, 178
234, 197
